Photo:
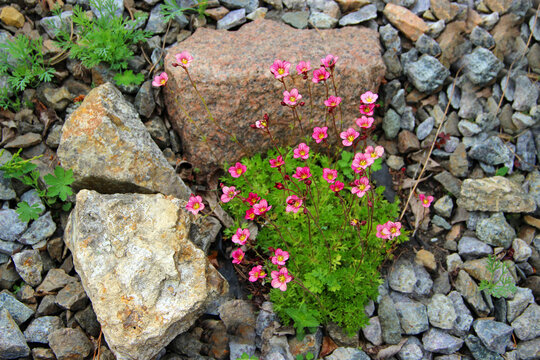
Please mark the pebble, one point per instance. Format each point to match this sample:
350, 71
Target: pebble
526, 151
12, 344
17, 310
495, 335
391, 124
438, 341
527, 325
470, 248
412, 350
469, 290
407, 142
297, 19
424, 129
232, 19
482, 66
322, 21
402, 277
468, 128
39, 329
365, 13
347, 354
479, 351
29, 266
480, 37
441, 222
70, 344
412, 316
529, 350
39, 230
390, 38
72, 297
427, 74
441, 312
495, 231
426, 45
444, 206
398, 102
436, 28
407, 119
372, 332
522, 251
464, 319
393, 66
423, 284
248, 5
522, 298
10, 225
389, 320
491, 151
426, 259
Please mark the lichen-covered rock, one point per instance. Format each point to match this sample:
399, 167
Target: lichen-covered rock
109, 149
145, 278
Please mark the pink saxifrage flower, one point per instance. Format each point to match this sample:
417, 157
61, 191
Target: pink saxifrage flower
367, 109
293, 204
374, 153
280, 279
261, 124
361, 161
382, 232
302, 173
292, 97
256, 273
160, 80
229, 193
302, 151
250, 214
332, 101
195, 204
319, 75
238, 256
184, 59
393, 228
349, 136
280, 69
361, 186
237, 170
261, 207
303, 67
241, 236
425, 200
364, 122
320, 133
280, 257
337, 186
329, 61
277, 162
252, 198
368, 97
330, 175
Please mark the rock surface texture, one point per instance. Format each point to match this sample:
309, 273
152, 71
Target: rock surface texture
146, 280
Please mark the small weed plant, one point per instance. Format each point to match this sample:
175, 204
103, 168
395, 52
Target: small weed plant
324, 228
107, 38
500, 283
171, 9
56, 187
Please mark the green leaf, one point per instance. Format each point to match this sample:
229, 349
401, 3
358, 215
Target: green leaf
127, 78
310, 356
377, 165
27, 212
303, 318
66, 206
502, 171
59, 183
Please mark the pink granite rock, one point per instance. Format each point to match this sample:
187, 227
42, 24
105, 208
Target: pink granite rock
232, 72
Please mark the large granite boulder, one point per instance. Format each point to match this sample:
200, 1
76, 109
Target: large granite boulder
110, 150
145, 278
239, 87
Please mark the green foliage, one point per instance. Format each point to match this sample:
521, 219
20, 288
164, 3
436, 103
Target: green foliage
309, 356
247, 357
56, 186
502, 171
21, 59
128, 78
105, 39
334, 264
500, 283
171, 9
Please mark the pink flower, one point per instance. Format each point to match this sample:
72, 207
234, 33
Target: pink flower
280, 279
393, 228
261, 207
293, 204
302, 173
367, 109
337, 186
291, 98
229, 193
349, 136
280, 257
364, 122
280, 69
184, 59
329, 61
361, 186
332, 101
382, 232
256, 273
261, 124
195, 204
241, 236
250, 214
319, 133
160, 80
252, 198
302, 151
320, 75
303, 67
329, 175
361, 161
277, 162
426, 200
375, 153
237, 170
238, 256
368, 97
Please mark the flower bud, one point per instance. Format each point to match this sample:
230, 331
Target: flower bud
266, 117
302, 103
305, 210
175, 64
279, 186
369, 203
287, 177
253, 126
283, 103
308, 182
363, 223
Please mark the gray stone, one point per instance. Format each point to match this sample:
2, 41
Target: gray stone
435, 340
343, 353
509, 85
329, 7
522, 251
441, 312
535, 30
87, 319
390, 38
464, 319
12, 342
514, 307
187, 343
468, 128
48, 306
144, 100
495, 231
482, 66
39, 230
393, 65
440, 222
469, 105
470, 248
265, 318
412, 350
6, 188
412, 317
526, 94
426, 45
248, 5
72, 297
480, 37
469, 290
425, 127
436, 28
527, 325
158, 131
51, 23
479, 351
441, 285
526, 151
18, 311
372, 332
495, 335
423, 284
295, 4
55, 280
31, 197
427, 74
8, 248
322, 21
487, 121
492, 151
10, 225
39, 330
444, 206
398, 102
365, 13
409, 57
529, 350
450, 183
402, 277
232, 19
29, 266
117, 5
407, 119
297, 19
340, 336
389, 320
70, 344
391, 124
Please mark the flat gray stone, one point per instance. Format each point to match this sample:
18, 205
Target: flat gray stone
39, 329
495, 335
18, 311
39, 230
482, 66
470, 248
365, 13
438, 341
402, 277
427, 74
514, 307
10, 225
12, 342
29, 265
441, 312
413, 317
495, 231
527, 325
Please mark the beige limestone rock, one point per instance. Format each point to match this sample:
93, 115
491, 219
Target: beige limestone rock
405, 20
11, 17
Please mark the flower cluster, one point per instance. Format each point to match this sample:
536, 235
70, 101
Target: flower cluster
389, 230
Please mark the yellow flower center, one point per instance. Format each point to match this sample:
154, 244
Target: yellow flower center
163, 81
184, 61
281, 71
363, 162
350, 138
239, 171
393, 230
369, 99
426, 201
280, 258
362, 187
321, 76
292, 99
196, 206
242, 238
321, 135
302, 152
330, 176
373, 154
281, 278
